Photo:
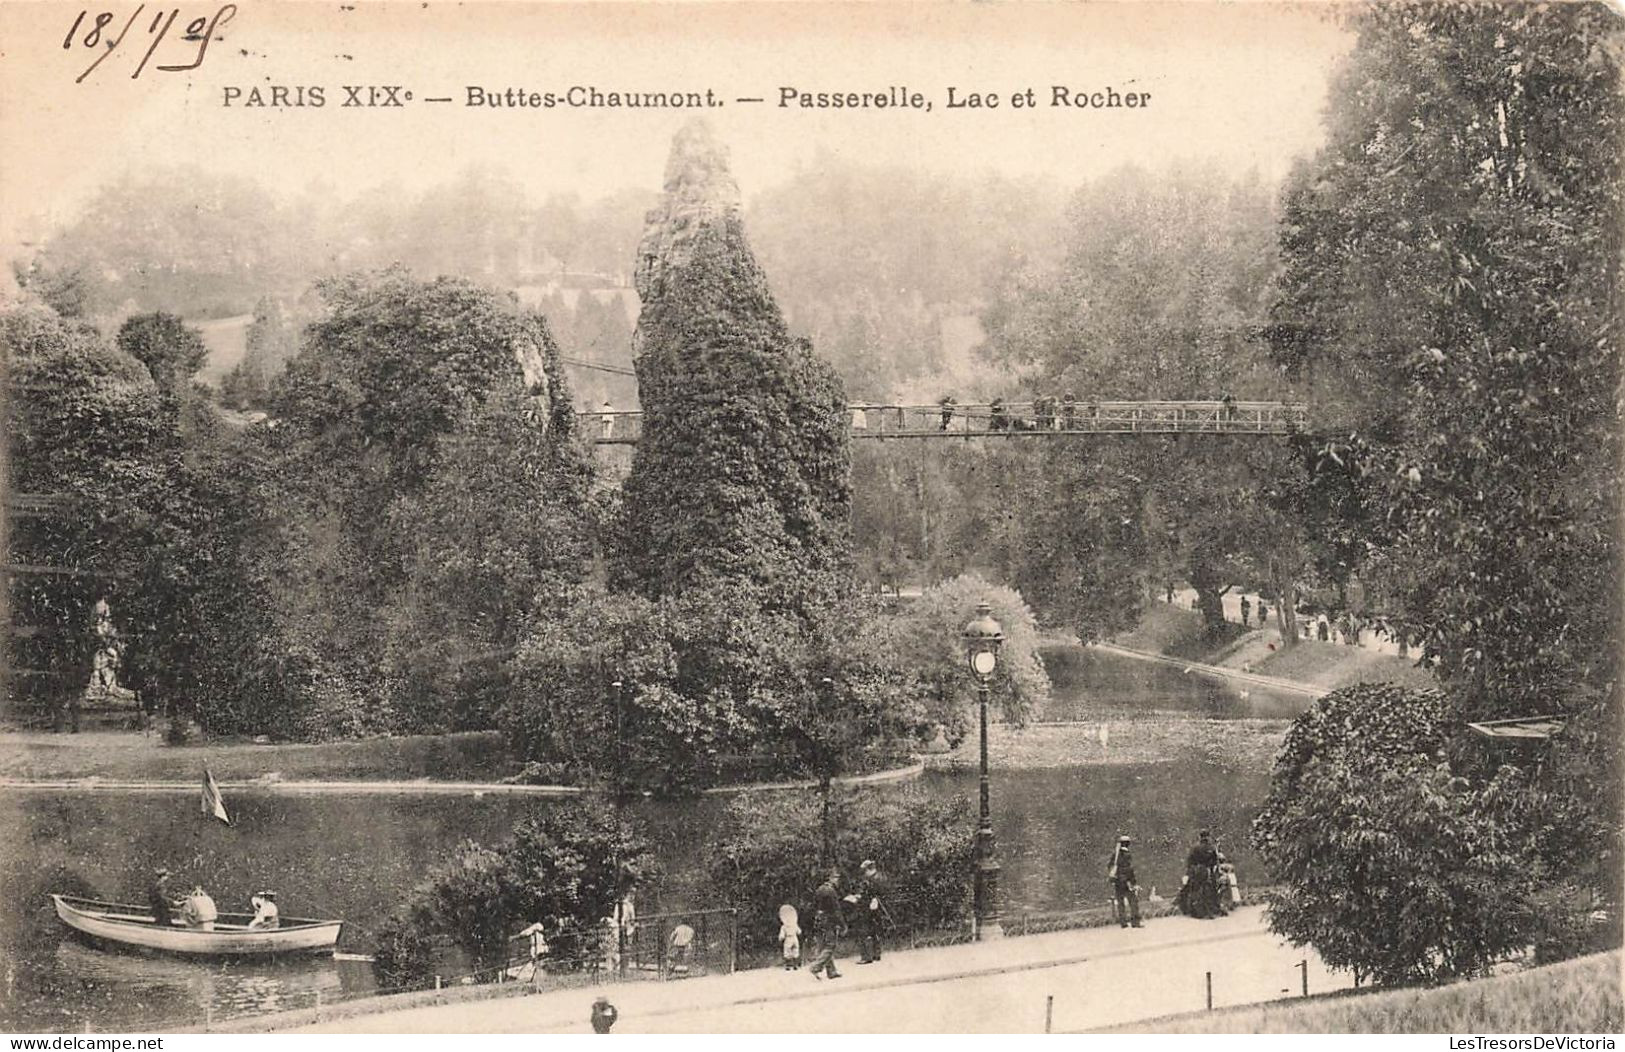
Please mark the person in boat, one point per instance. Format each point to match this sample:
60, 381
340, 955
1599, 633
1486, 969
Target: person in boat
265, 911
199, 910
1199, 897
160, 899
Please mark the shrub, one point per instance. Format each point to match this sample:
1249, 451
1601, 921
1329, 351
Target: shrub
1393, 865
403, 957
563, 866
767, 854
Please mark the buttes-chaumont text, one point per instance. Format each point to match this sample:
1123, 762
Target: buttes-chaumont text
389, 96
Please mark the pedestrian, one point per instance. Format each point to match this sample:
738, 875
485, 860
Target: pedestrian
1069, 412
682, 950
160, 900
604, 1015
873, 907
1323, 629
265, 911
535, 936
997, 418
1263, 614
1125, 888
827, 926
947, 405
1246, 609
606, 419
1170, 593
1199, 896
1044, 414
790, 936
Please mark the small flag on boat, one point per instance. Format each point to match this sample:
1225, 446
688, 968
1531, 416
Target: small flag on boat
213, 804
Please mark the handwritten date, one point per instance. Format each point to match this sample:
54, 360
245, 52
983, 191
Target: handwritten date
101, 34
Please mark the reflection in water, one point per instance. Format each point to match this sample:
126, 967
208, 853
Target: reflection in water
1088, 682
356, 857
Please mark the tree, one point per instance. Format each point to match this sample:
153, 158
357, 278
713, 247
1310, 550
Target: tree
85, 425
171, 350
1480, 300
743, 471
430, 498
1162, 284
1393, 865
926, 640
1451, 296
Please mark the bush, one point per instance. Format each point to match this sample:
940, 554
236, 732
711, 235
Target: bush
403, 958
1393, 865
564, 866
768, 854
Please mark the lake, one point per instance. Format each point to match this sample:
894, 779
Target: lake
356, 857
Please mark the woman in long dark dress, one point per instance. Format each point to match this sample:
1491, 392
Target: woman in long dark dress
1200, 895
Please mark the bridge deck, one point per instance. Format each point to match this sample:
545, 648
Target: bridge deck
1024, 419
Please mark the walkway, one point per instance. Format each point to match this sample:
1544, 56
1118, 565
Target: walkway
1097, 976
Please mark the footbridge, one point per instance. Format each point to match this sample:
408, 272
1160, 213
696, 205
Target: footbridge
1021, 420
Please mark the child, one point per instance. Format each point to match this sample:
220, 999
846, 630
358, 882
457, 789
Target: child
604, 1015
790, 937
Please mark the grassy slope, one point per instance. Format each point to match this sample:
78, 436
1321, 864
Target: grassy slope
1178, 633
1331, 665
1581, 996
452, 757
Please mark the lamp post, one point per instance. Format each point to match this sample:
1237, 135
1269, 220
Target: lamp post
983, 637
619, 910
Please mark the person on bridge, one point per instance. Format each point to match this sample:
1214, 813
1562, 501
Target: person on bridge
1125, 887
948, 403
606, 419
998, 419
1044, 414
826, 926
1069, 413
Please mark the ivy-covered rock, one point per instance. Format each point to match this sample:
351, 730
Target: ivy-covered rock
743, 470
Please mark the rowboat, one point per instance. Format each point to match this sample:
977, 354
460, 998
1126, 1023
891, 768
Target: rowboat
135, 926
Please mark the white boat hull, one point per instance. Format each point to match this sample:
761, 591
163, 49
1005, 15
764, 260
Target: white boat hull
134, 926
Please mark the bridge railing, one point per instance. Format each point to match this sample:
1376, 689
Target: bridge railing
1038, 417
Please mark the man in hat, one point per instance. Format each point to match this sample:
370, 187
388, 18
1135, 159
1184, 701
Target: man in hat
1125, 887
871, 903
826, 926
160, 900
265, 911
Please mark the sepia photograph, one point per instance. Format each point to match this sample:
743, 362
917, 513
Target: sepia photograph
811, 518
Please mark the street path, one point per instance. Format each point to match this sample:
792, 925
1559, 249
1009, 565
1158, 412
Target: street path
1097, 976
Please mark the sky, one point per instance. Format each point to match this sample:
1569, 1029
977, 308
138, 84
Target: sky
1238, 86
